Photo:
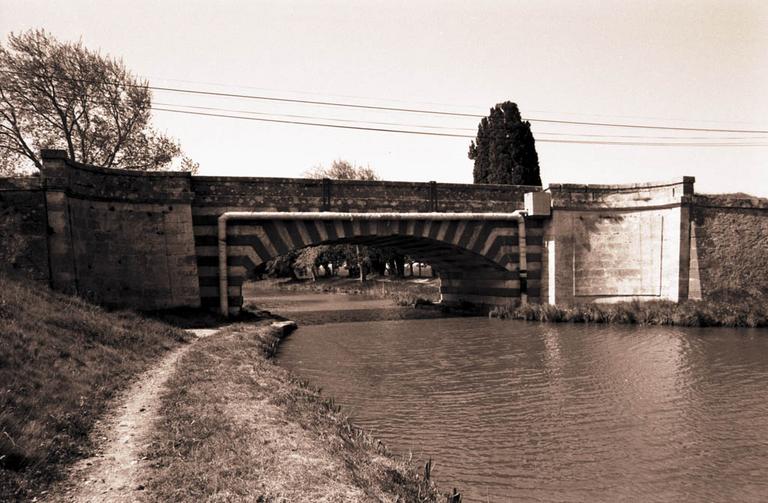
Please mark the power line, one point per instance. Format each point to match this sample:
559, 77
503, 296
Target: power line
314, 93
452, 105
313, 102
576, 138
428, 133
439, 112
353, 121
410, 110
642, 126
294, 116
301, 123
654, 137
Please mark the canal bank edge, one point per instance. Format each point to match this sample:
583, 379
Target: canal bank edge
235, 425
740, 309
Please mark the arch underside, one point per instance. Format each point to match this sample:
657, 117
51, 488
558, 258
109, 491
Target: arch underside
477, 261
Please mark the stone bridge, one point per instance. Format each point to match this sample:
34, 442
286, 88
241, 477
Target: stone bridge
163, 240
480, 257
476, 255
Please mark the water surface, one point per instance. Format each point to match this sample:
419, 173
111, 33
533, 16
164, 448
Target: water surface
515, 411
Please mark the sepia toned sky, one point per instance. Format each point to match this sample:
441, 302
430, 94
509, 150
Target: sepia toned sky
697, 64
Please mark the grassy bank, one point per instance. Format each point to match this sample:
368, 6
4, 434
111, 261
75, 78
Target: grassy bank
236, 427
404, 291
61, 361
748, 312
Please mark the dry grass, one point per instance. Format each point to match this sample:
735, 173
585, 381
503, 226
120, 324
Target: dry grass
61, 361
745, 312
236, 427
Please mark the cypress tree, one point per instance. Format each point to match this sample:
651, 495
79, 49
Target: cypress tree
505, 151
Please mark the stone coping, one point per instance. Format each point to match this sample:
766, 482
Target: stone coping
127, 172
49, 154
620, 187
269, 179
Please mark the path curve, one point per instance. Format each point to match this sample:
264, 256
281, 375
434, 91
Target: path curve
113, 473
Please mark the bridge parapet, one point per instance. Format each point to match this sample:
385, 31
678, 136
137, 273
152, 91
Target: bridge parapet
304, 194
617, 196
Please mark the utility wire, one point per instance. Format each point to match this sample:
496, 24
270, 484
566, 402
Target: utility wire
330, 119
573, 137
301, 123
370, 98
353, 121
314, 93
642, 126
439, 112
429, 133
406, 110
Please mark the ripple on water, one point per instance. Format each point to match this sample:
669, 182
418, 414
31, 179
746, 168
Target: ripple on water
535, 412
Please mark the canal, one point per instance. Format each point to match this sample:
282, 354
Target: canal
516, 411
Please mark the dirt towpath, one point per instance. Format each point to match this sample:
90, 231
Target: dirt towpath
114, 474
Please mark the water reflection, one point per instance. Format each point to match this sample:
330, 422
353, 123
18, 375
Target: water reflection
533, 412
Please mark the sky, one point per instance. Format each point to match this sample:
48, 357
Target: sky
698, 64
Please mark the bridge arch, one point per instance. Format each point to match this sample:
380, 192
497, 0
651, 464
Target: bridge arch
478, 256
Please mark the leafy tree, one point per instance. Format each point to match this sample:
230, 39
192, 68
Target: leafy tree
345, 170
342, 170
505, 151
9, 161
281, 266
62, 95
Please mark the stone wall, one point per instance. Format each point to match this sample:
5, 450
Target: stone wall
301, 194
729, 247
607, 243
121, 237
23, 246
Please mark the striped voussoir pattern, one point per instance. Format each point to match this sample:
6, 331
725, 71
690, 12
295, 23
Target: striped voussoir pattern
477, 261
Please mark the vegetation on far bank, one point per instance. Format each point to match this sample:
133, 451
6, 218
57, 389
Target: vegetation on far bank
731, 309
404, 291
236, 427
61, 362
746, 312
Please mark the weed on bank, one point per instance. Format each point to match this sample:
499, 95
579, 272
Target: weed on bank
749, 312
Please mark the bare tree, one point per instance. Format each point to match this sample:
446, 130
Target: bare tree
63, 95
